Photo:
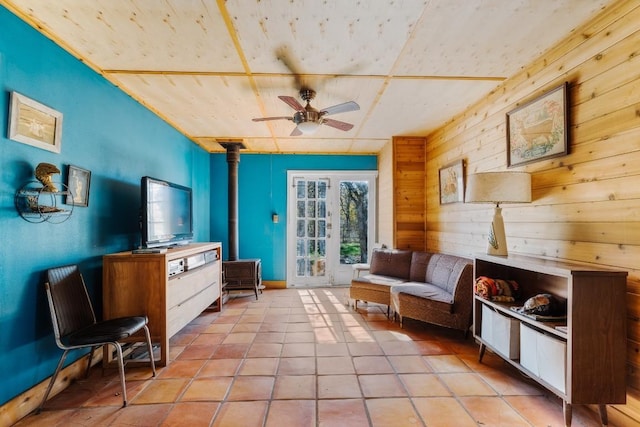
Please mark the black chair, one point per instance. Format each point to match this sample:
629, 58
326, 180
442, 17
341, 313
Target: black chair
75, 325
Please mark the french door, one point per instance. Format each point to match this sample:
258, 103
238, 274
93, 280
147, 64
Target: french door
330, 226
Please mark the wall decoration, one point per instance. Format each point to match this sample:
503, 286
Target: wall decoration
34, 124
452, 183
78, 182
538, 129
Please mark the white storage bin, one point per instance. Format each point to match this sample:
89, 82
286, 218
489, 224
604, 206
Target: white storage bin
528, 349
544, 355
501, 332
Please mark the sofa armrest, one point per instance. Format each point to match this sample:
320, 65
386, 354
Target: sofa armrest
463, 293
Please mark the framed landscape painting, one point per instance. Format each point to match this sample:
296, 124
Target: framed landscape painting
538, 129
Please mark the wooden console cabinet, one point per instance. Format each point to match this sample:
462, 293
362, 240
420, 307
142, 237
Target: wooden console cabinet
580, 359
171, 288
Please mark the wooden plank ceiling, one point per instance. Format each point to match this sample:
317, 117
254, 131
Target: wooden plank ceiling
208, 67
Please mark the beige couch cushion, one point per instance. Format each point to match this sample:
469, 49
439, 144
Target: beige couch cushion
432, 297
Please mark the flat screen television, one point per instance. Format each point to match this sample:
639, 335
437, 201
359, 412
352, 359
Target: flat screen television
167, 216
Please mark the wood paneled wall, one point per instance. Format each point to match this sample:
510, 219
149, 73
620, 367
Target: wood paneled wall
586, 205
409, 203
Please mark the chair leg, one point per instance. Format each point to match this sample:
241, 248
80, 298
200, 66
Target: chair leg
53, 380
86, 374
150, 347
121, 366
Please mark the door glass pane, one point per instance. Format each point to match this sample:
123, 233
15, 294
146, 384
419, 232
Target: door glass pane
322, 190
354, 208
322, 228
322, 209
311, 189
311, 209
311, 228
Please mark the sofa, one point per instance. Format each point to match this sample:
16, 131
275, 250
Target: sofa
430, 287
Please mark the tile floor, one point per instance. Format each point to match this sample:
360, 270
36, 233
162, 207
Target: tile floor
305, 358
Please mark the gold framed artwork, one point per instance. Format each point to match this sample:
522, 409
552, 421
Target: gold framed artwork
78, 182
33, 123
538, 129
451, 181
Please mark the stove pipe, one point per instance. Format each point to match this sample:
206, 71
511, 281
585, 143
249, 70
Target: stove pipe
233, 158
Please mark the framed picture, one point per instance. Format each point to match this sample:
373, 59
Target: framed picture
538, 129
34, 124
78, 182
451, 178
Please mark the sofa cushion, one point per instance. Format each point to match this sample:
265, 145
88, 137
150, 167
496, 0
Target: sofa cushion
445, 270
419, 263
432, 297
393, 263
374, 281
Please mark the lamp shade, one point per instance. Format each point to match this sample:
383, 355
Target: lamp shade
498, 187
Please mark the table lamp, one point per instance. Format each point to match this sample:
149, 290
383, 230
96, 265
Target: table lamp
498, 187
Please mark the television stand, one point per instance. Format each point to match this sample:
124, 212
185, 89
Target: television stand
170, 288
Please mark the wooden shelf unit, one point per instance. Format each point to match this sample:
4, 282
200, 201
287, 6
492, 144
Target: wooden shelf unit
171, 288
595, 337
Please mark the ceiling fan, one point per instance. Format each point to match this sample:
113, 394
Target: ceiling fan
308, 119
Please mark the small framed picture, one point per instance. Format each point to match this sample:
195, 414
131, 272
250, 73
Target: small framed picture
34, 124
452, 183
538, 129
78, 182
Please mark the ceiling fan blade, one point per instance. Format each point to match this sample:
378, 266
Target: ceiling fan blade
340, 108
337, 124
282, 54
292, 102
264, 119
295, 132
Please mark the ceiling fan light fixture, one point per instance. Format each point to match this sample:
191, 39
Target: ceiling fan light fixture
308, 128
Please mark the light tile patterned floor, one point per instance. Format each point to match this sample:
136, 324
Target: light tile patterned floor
303, 357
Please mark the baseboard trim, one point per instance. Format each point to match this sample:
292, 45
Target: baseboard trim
28, 401
275, 284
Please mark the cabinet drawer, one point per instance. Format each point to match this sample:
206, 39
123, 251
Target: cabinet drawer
180, 315
185, 285
501, 332
544, 356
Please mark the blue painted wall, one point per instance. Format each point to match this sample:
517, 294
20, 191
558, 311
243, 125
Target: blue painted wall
262, 188
119, 141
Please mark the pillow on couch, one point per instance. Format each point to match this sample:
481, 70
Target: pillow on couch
419, 263
391, 262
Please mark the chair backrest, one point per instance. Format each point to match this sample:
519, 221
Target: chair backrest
69, 301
